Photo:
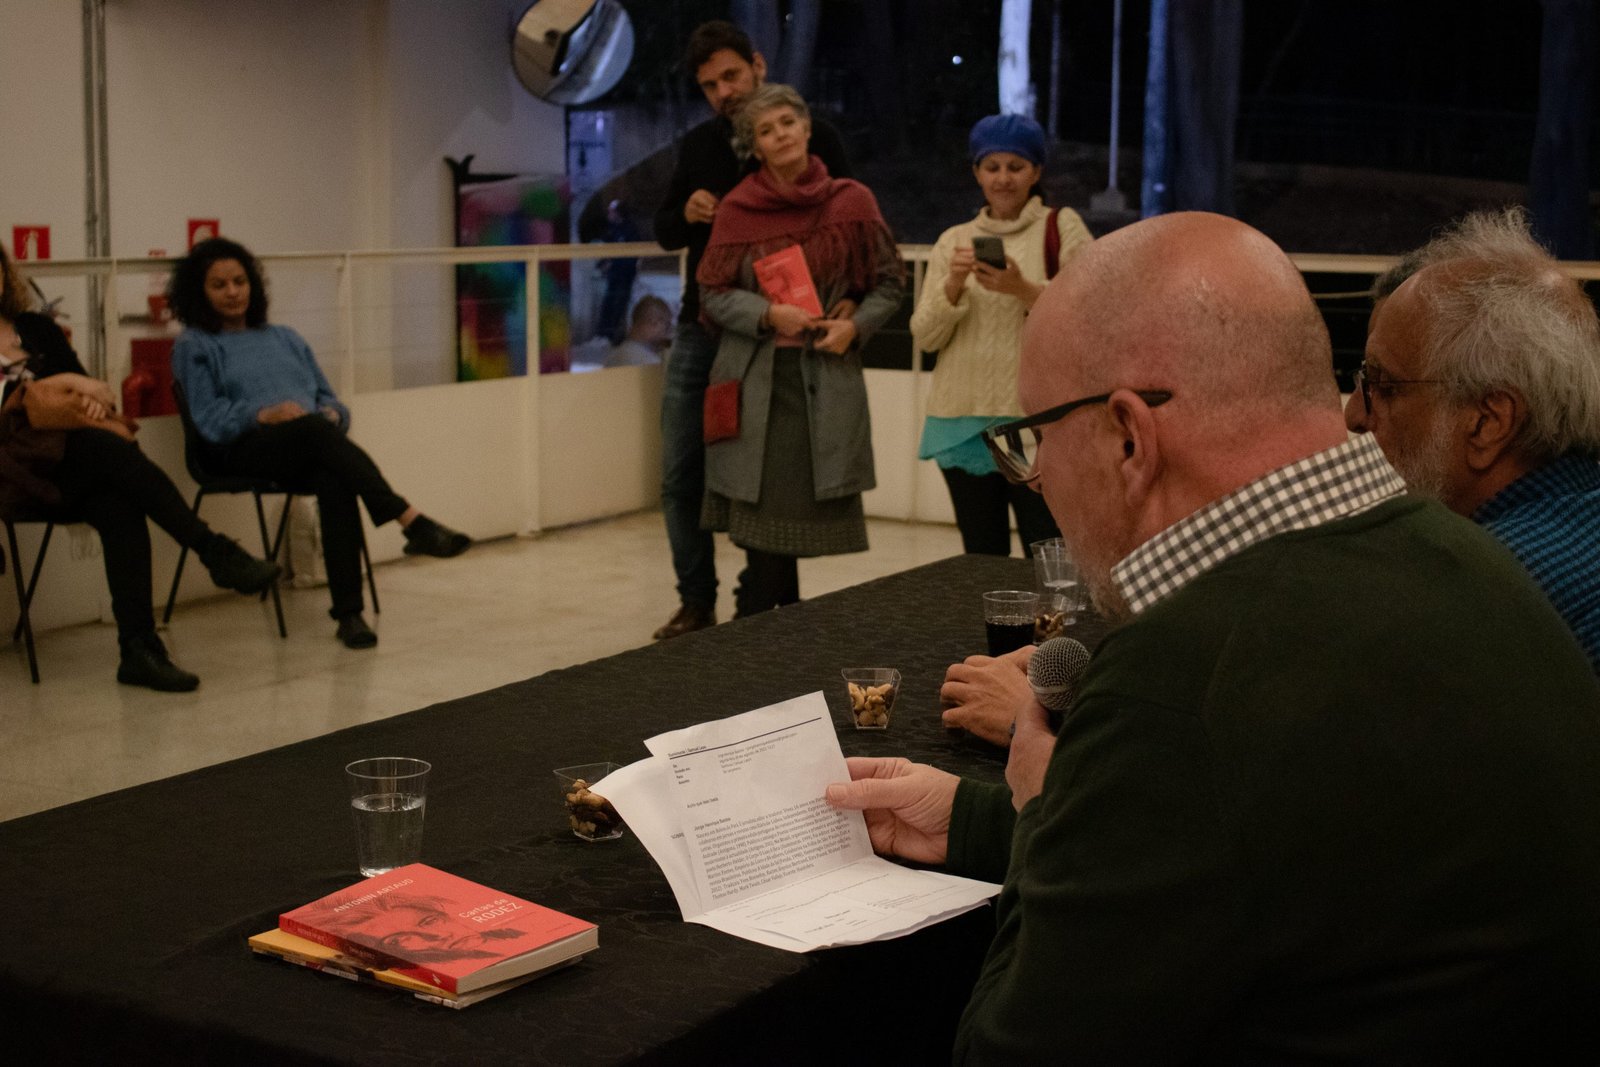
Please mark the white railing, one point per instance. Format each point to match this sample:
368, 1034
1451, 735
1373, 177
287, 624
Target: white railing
382, 321
495, 457
122, 279
386, 320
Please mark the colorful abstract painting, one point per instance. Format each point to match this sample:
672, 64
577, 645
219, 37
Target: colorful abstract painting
491, 298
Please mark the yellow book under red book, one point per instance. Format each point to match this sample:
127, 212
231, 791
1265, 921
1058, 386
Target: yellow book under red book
785, 279
308, 954
450, 933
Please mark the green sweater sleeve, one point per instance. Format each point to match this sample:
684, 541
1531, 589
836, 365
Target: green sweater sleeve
1119, 903
981, 821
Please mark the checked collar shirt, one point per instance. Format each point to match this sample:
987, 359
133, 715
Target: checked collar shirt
1332, 484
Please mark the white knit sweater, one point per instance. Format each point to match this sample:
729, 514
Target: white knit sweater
979, 338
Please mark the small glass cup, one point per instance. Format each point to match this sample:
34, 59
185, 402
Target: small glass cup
1049, 544
871, 692
590, 815
1054, 616
1063, 593
388, 796
1008, 616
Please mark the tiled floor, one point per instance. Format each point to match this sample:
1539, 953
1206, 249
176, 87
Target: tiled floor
506, 611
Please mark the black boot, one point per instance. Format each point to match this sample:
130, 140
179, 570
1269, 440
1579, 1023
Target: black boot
354, 631
145, 662
688, 618
424, 537
233, 568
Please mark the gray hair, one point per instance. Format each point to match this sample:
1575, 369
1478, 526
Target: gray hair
1384, 285
1501, 314
758, 103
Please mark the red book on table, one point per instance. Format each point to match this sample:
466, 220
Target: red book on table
785, 279
455, 935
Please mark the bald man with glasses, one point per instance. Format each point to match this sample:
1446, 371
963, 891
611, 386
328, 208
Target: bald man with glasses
1312, 801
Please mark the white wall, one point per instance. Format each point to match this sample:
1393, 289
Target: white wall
300, 124
41, 169
251, 113
451, 91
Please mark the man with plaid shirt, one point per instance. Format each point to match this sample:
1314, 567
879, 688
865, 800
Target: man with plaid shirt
1329, 792
1482, 384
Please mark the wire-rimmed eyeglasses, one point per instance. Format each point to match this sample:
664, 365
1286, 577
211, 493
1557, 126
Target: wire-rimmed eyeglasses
1372, 381
1015, 445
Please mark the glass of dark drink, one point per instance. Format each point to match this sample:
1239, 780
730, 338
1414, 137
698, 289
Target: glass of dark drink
1008, 616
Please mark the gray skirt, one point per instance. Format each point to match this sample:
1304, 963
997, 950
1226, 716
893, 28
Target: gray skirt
788, 519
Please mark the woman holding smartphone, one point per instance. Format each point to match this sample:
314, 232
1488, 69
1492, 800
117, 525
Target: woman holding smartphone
983, 277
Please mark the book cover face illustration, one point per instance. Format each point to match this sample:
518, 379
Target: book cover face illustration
435, 925
785, 279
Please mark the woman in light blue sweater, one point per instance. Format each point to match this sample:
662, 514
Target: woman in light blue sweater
265, 409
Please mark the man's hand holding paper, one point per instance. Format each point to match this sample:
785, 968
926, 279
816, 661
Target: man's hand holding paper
734, 812
906, 805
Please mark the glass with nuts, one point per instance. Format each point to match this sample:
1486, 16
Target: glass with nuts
590, 815
872, 692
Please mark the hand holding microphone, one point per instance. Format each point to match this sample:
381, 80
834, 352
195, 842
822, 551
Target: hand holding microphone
1054, 674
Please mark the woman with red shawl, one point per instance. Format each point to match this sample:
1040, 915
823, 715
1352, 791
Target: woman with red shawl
788, 482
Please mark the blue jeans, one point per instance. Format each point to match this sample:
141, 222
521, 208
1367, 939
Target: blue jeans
683, 464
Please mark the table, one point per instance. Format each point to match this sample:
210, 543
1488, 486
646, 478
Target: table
127, 914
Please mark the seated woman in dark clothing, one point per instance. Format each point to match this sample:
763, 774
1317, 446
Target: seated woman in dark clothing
85, 465
265, 410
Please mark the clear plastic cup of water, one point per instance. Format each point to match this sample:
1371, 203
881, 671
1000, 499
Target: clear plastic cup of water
1062, 593
388, 796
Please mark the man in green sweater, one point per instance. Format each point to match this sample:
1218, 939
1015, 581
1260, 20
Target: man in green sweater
1332, 791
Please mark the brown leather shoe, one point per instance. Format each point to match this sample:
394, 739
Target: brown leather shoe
688, 617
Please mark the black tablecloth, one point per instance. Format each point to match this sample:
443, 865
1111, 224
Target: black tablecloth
126, 915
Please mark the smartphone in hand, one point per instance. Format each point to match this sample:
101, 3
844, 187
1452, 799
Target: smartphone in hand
990, 250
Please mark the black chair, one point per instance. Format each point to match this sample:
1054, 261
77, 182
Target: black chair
256, 487
12, 516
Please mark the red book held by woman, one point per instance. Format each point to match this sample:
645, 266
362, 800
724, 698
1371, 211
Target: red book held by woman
785, 279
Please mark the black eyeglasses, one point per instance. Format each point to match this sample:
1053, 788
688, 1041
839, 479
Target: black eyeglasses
1015, 445
1371, 381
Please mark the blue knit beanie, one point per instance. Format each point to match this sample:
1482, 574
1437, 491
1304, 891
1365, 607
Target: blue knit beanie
1007, 133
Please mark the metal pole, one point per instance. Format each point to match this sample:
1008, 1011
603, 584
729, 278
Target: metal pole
96, 180
347, 322
91, 205
533, 404
1055, 71
1111, 202
1116, 89
1157, 164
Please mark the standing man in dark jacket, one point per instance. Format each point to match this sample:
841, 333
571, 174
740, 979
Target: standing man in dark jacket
727, 69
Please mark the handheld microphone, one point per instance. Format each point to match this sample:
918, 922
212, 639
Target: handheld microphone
1054, 672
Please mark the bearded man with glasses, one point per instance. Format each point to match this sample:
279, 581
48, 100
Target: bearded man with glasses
1482, 384
1281, 822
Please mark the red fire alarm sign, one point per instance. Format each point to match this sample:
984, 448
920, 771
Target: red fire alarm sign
30, 242
203, 230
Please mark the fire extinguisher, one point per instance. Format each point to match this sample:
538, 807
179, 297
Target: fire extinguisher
138, 393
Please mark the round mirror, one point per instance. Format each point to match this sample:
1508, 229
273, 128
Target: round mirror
571, 51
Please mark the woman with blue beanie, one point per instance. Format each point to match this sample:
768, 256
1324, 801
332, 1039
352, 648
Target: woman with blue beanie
971, 314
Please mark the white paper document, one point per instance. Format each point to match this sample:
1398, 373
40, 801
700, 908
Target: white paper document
733, 812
